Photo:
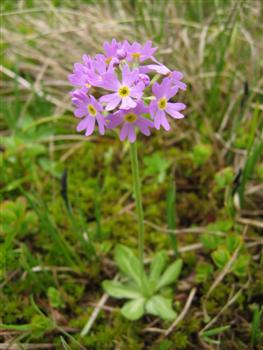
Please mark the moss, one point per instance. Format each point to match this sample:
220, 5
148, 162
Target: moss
180, 341
121, 333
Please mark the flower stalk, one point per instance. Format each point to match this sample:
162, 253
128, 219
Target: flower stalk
138, 198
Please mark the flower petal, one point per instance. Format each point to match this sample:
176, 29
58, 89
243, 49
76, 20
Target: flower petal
101, 123
124, 131
129, 77
164, 122
81, 111
158, 119
144, 129
127, 103
112, 101
153, 108
136, 91
173, 108
83, 124
131, 133
145, 122
114, 120
158, 68
90, 127
110, 82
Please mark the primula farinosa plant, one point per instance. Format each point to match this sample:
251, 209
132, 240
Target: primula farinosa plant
126, 88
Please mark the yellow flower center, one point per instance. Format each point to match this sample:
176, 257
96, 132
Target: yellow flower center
92, 111
124, 91
108, 60
162, 103
136, 55
88, 85
130, 117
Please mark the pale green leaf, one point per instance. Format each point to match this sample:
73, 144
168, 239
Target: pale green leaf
118, 290
134, 309
162, 307
158, 264
171, 274
129, 264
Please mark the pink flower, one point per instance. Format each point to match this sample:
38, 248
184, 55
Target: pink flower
160, 68
176, 78
126, 92
130, 119
111, 49
98, 69
138, 51
80, 75
145, 79
160, 106
88, 107
157, 68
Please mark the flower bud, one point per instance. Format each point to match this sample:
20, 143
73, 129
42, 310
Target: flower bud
121, 54
115, 62
145, 79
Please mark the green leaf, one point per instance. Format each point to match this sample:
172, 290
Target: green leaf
214, 331
201, 154
220, 225
171, 274
210, 241
240, 265
255, 327
40, 325
221, 257
20, 327
157, 266
54, 297
118, 290
134, 309
129, 264
253, 157
203, 271
224, 178
232, 242
162, 307
156, 165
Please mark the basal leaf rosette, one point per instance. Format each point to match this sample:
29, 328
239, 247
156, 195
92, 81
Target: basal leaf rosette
145, 291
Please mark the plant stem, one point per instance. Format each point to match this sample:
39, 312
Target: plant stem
171, 215
138, 198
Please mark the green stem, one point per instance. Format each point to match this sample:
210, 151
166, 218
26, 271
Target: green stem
138, 197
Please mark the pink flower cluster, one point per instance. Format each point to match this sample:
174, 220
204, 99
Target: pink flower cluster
125, 86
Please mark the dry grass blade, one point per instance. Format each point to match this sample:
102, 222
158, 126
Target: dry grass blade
225, 307
183, 313
95, 312
7, 346
94, 315
224, 272
25, 84
250, 222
